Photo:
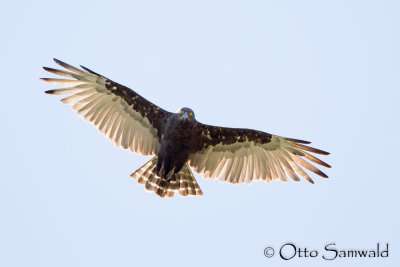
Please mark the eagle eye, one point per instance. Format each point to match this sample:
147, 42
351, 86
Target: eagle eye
180, 111
191, 113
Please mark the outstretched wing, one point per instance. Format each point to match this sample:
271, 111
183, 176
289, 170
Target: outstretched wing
126, 118
244, 155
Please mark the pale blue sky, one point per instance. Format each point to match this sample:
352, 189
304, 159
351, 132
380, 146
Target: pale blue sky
323, 71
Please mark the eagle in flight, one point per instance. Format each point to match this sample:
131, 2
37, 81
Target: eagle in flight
178, 141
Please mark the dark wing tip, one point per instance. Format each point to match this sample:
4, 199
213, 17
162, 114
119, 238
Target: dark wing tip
63, 64
90, 71
324, 164
327, 165
58, 61
298, 141
320, 173
322, 152
311, 149
50, 92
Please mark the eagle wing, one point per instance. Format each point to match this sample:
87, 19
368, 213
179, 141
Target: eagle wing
243, 155
125, 117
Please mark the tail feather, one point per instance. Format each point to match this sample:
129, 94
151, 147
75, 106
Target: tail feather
183, 182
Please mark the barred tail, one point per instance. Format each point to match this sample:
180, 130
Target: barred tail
183, 181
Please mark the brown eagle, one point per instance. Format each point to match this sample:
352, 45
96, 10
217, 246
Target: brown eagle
177, 141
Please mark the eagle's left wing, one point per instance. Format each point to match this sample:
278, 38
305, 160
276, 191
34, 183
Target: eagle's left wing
125, 117
243, 155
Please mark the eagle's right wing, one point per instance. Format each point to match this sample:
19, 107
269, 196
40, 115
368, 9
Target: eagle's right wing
243, 155
125, 117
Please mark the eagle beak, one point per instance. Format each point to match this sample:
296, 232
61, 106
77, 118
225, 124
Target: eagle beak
185, 115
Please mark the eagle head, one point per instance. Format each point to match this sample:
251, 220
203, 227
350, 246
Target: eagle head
185, 113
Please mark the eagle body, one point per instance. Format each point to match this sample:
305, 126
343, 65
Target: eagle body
177, 142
